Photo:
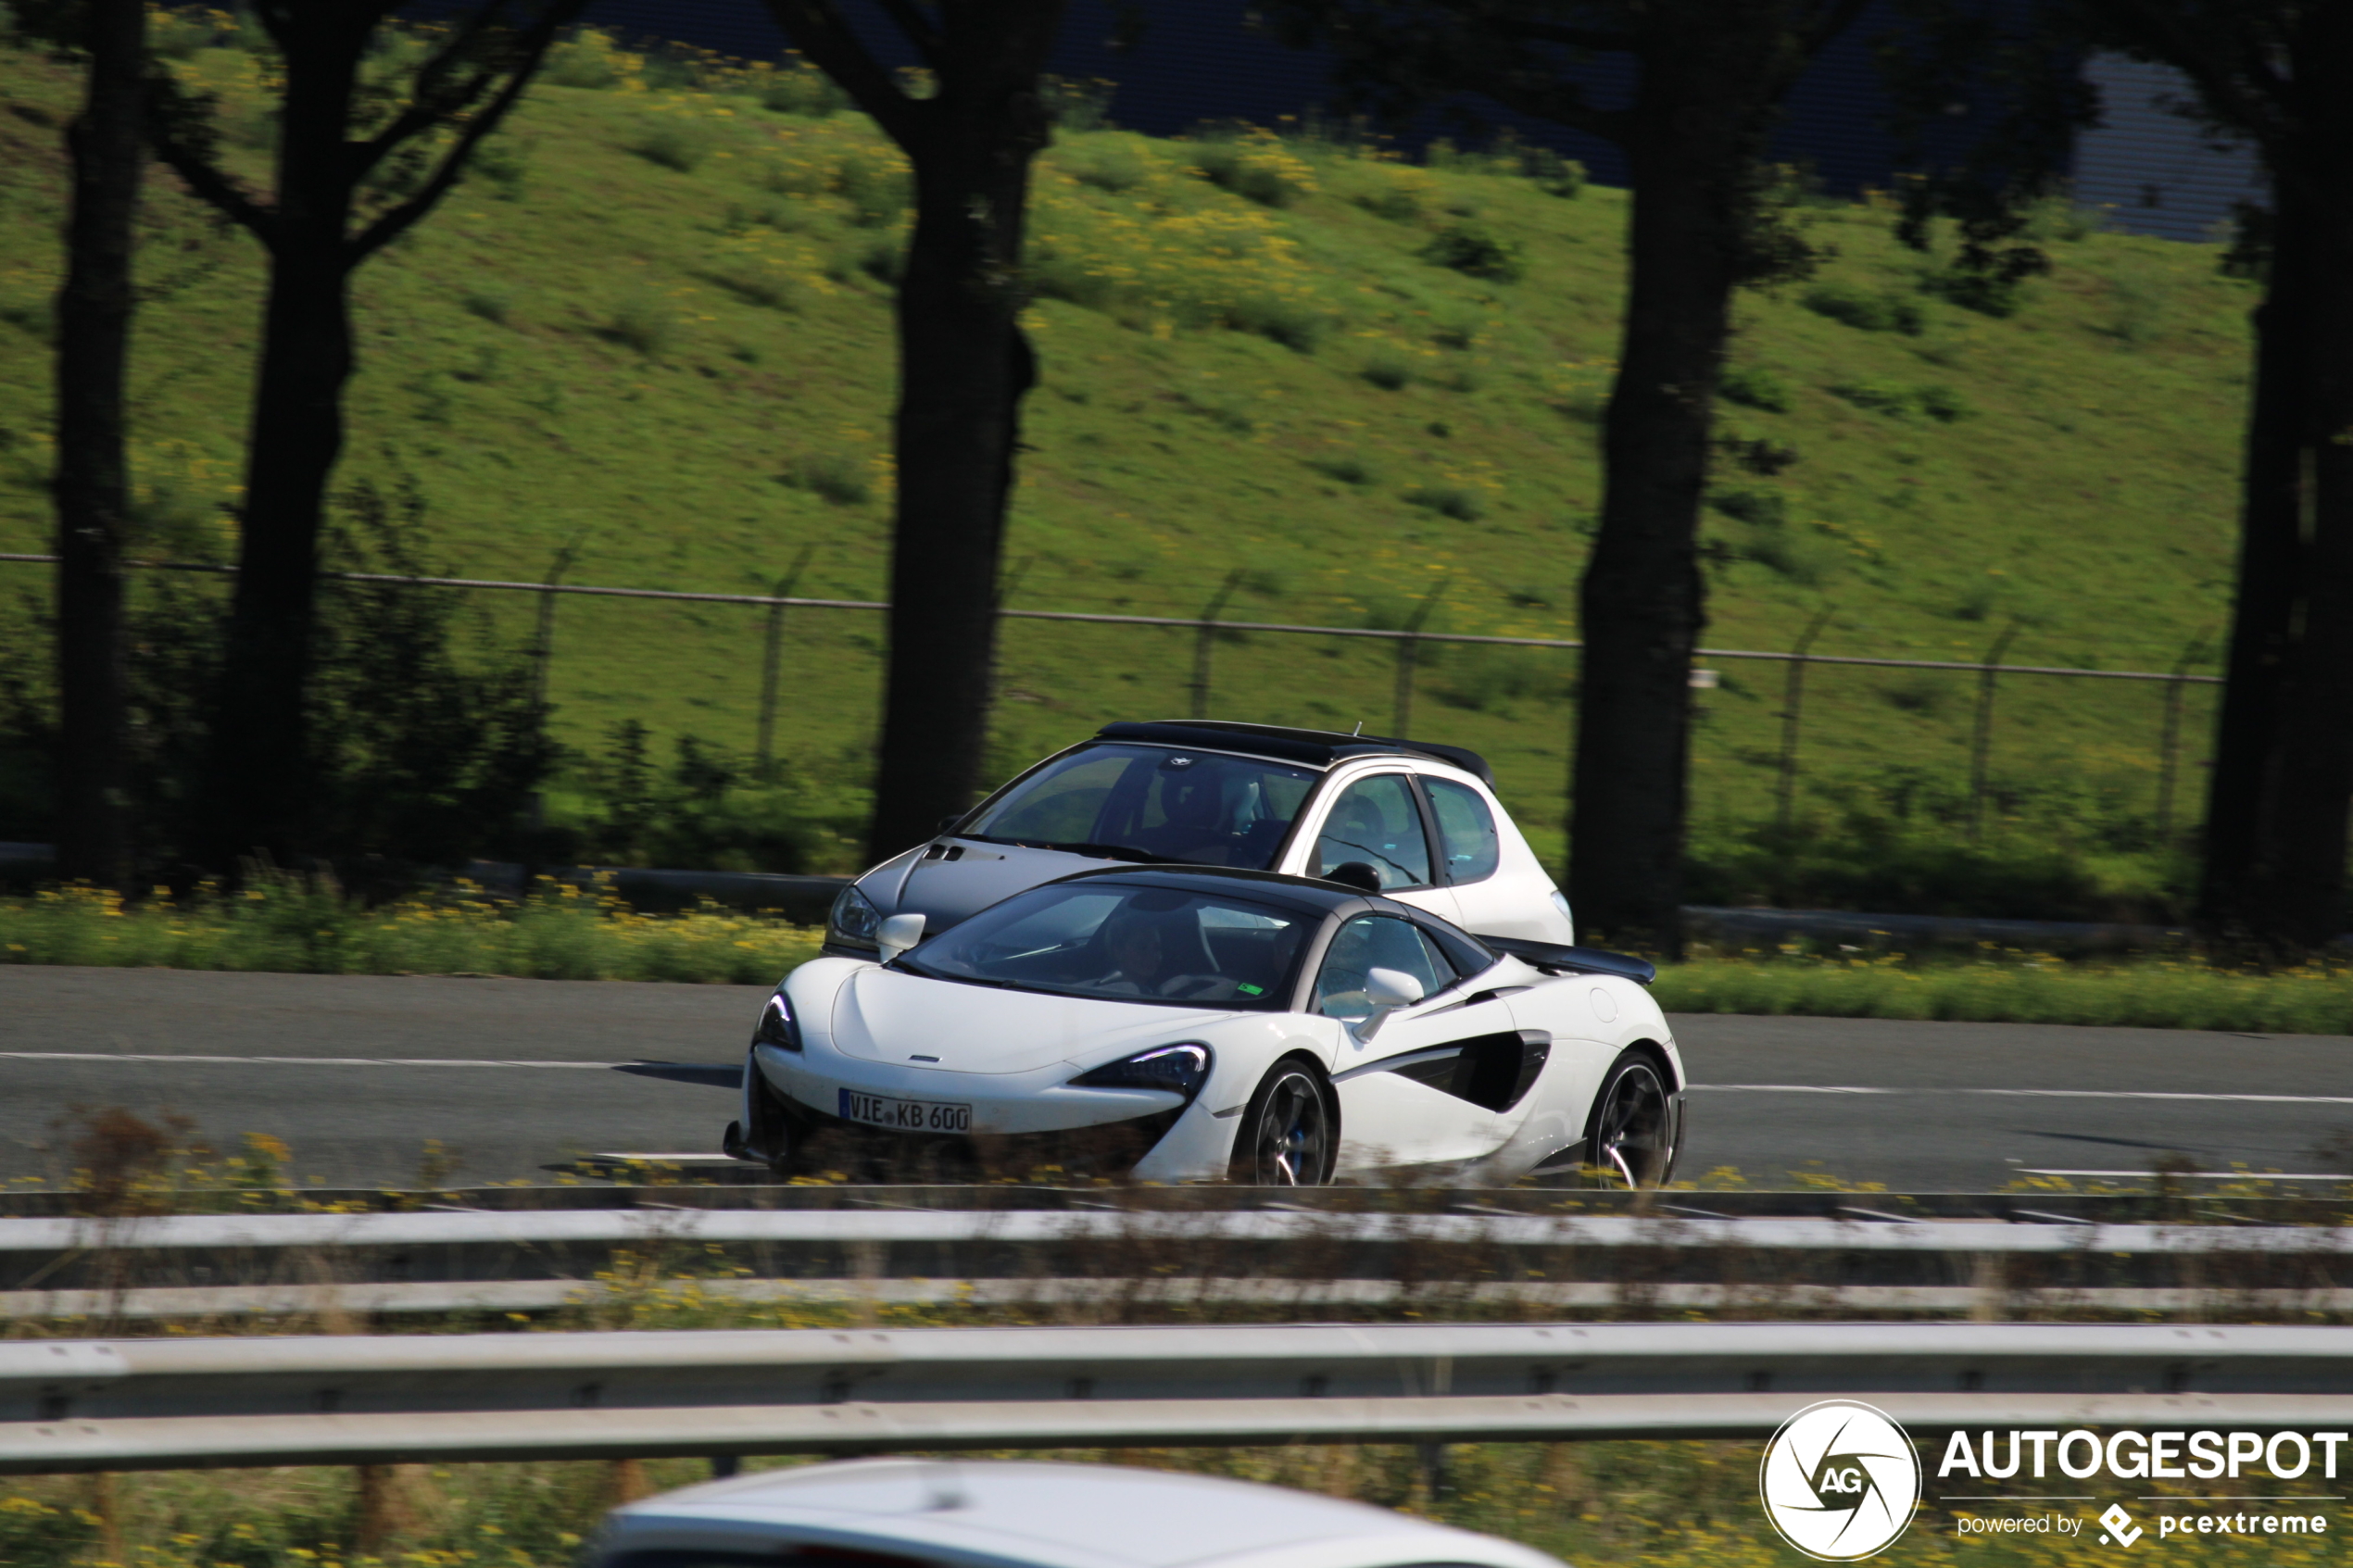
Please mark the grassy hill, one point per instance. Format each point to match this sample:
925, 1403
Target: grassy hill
657, 324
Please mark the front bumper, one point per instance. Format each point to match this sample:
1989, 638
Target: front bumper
1022, 1124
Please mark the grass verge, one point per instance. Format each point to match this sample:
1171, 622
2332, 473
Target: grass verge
565, 933
560, 933
1692, 1504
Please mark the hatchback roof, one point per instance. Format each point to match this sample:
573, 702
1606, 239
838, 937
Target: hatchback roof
1319, 748
977, 1514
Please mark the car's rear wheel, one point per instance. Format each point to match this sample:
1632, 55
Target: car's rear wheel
1630, 1139
1289, 1134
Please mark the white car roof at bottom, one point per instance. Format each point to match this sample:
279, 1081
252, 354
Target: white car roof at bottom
997, 1515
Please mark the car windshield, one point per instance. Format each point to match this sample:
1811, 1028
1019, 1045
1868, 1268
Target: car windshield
1152, 803
1161, 944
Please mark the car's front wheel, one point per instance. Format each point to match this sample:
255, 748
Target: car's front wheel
1629, 1140
765, 1132
1289, 1134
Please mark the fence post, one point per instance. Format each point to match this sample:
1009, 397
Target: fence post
1204, 631
1981, 741
1793, 701
2168, 740
1408, 650
542, 642
764, 766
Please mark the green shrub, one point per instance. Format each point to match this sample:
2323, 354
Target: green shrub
802, 88
1388, 369
877, 187
1347, 469
1294, 322
1551, 172
1110, 166
584, 58
1077, 105
884, 260
1391, 202
1765, 508
672, 145
833, 476
644, 320
1942, 403
1447, 500
505, 163
1254, 164
1863, 310
1879, 397
1988, 293
1472, 250
491, 305
1755, 388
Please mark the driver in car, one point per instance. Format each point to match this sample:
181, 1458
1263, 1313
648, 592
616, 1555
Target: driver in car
1144, 949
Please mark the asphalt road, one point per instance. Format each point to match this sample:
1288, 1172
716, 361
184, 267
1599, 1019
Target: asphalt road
514, 1077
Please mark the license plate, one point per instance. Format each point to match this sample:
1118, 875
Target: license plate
906, 1115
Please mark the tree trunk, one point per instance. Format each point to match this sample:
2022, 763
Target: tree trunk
1641, 598
2236, 891
259, 791
93, 481
2314, 788
963, 366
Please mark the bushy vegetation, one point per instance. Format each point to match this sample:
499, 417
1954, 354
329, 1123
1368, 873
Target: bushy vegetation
567, 932
656, 322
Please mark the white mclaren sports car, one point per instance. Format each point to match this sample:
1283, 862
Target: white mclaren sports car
1417, 822
1185, 1024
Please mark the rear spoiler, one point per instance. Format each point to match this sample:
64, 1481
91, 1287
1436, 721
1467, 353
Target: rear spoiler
1554, 958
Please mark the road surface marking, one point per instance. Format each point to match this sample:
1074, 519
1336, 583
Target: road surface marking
2021, 1094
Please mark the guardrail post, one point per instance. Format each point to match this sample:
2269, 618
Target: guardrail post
2169, 737
1793, 701
1408, 651
764, 763
1204, 631
1982, 739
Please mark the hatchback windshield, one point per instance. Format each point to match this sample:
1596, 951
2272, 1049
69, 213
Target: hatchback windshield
1150, 803
1091, 938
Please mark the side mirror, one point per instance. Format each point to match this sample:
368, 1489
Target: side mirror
896, 934
1386, 989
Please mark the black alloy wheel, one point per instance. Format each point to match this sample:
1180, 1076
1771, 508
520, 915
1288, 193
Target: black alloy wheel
1630, 1142
1289, 1134
769, 1136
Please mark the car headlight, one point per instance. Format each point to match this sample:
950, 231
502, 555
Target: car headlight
853, 920
776, 1025
1180, 1068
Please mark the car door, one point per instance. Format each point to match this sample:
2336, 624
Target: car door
1436, 1080
1376, 822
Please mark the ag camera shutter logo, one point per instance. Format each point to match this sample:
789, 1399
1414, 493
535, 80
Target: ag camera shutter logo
1840, 1481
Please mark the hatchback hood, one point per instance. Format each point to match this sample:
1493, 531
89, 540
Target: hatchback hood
888, 1015
967, 877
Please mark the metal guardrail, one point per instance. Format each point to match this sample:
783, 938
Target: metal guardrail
1870, 1231
163, 1403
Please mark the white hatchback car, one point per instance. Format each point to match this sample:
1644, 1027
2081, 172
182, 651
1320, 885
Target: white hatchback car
947, 1514
1410, 821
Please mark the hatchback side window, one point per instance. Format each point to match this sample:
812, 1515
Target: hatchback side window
1367, 943
1375, 823
1466, 830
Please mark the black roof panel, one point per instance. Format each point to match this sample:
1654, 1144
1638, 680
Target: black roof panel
1319, 748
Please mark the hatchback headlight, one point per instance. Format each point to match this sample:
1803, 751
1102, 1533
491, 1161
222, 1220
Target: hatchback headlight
853, 920
1179, 1068
776, 1025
